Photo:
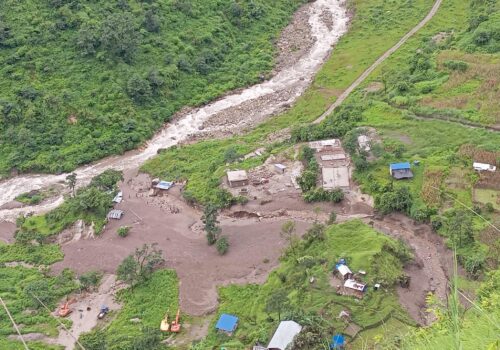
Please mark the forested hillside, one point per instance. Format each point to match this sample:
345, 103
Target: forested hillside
84, 79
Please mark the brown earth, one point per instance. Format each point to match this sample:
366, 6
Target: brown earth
199, 266
431, 268
7, 230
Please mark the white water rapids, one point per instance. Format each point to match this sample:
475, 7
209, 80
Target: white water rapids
294, 78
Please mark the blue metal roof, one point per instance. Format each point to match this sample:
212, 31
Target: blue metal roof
338, 341
227, 323
400, 166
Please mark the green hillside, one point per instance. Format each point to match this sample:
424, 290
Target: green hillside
80, 80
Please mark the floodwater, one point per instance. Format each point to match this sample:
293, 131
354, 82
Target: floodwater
294, 78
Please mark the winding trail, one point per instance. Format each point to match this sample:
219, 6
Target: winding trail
379, 61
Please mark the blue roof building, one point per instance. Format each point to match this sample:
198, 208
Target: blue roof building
338, 342
227, 323
400, 170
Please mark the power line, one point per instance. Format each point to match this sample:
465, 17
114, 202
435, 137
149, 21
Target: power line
62, 324
14, 324
468, 208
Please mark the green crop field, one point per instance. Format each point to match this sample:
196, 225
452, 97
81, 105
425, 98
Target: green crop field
82, 80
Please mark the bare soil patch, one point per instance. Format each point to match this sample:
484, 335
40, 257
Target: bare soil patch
199, 267
7, 230
85, 311
431, 269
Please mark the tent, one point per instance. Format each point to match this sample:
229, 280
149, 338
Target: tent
338, 342
227, 323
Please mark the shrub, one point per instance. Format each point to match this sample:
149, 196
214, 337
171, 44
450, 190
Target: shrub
222, 245
231, 155
138, 89
119, 36
320, 195
436, 222
90, 279
316, 232
332, 218
488, 207
123, 231
419, 213
456, 65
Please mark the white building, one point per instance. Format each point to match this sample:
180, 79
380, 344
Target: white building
324, 145
287, 330
484, 167
237, 178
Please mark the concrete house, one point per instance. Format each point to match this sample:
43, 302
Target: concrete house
237, 178
335, 177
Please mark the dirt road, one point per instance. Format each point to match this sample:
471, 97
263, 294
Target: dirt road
377, 63
85, 319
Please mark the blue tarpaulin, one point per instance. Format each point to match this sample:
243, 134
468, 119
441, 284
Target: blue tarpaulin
338, 342
400, 166
227, 323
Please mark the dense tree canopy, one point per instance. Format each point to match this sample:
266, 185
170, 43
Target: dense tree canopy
84, 79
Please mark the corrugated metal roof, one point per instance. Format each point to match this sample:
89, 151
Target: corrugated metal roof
287, 330
164, 185
350, 283
343, 269
115, 214
400, 166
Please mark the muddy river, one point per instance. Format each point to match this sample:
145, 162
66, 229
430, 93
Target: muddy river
327, 20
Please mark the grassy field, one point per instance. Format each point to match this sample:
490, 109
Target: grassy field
317, 302
148, 302
371, 19
84, 80
16, 286
45, 254
484, 196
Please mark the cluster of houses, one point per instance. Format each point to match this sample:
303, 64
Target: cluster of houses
333, 162
282, 337
352, 285
402, 170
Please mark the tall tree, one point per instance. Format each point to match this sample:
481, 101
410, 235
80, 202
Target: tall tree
71, 181
209, 218
139, 266
119, 36
277, 302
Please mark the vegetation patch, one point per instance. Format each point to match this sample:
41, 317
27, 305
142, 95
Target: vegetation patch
133, 64
90, 204
137, 325
18, 288
290, 294
356, 50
